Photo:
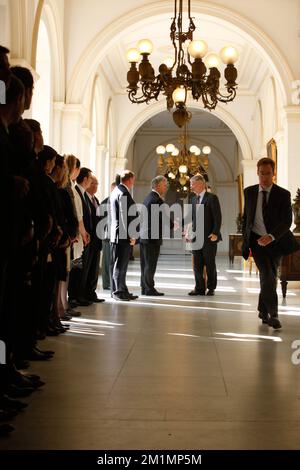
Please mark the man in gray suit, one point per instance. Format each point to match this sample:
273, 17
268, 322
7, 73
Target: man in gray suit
122, 213
206, 256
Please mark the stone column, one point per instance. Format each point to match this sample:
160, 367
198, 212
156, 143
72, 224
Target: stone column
249, 172
292, 147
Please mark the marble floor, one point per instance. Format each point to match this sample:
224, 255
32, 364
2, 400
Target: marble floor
173, 372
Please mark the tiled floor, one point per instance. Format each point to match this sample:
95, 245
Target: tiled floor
173, 372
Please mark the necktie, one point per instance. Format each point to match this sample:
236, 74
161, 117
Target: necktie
94, 202
87, 202
264, 208
199, 199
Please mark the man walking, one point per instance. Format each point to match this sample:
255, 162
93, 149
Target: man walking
267, 219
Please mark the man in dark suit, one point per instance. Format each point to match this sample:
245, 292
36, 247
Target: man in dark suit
122, 215
151, 241
83, 182
205, 256
266, 223
95, 244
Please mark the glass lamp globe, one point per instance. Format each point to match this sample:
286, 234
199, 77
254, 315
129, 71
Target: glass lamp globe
193, 148
212, 60
160, 150
175, 152
198, 151
133, 55
183, 169
197, 48
206, 150
145, 46
170, 148
229, 54
179, 95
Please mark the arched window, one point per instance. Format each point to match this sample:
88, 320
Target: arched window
93, 150
42, 96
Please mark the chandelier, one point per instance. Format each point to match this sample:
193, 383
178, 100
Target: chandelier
180, 75
179, 165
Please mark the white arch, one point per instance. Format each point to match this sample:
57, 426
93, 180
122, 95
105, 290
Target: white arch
49, 11
155, 108
97, 49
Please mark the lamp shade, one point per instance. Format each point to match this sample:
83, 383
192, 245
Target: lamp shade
212, 60
193, 148
206, 150
197, 48
179, 95
133, 55
175, 152
229, 54
170, 148
160, 150
183, 169
198, 151
145, 46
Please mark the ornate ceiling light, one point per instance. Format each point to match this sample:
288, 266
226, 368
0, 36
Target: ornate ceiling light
178, 165
181, 75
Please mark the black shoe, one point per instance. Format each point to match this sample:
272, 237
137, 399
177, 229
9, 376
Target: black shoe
16, 392
73, 313
7, 403
5, 429
275, 323
7, 415
154, 292
73, 303
35, 355
132, 296
197, 292
21, 364
124, 297
264, 317
96, 300
210, 292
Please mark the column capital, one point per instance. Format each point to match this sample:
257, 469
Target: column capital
292, 113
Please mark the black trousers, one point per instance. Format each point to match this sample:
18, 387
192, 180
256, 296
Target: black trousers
149, 253
268, 267
119, 259
205, 257
93, 273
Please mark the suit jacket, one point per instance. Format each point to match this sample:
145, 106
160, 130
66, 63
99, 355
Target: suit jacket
87, 215
121, 203
153, 199
95, 240
279, 216
212, 216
